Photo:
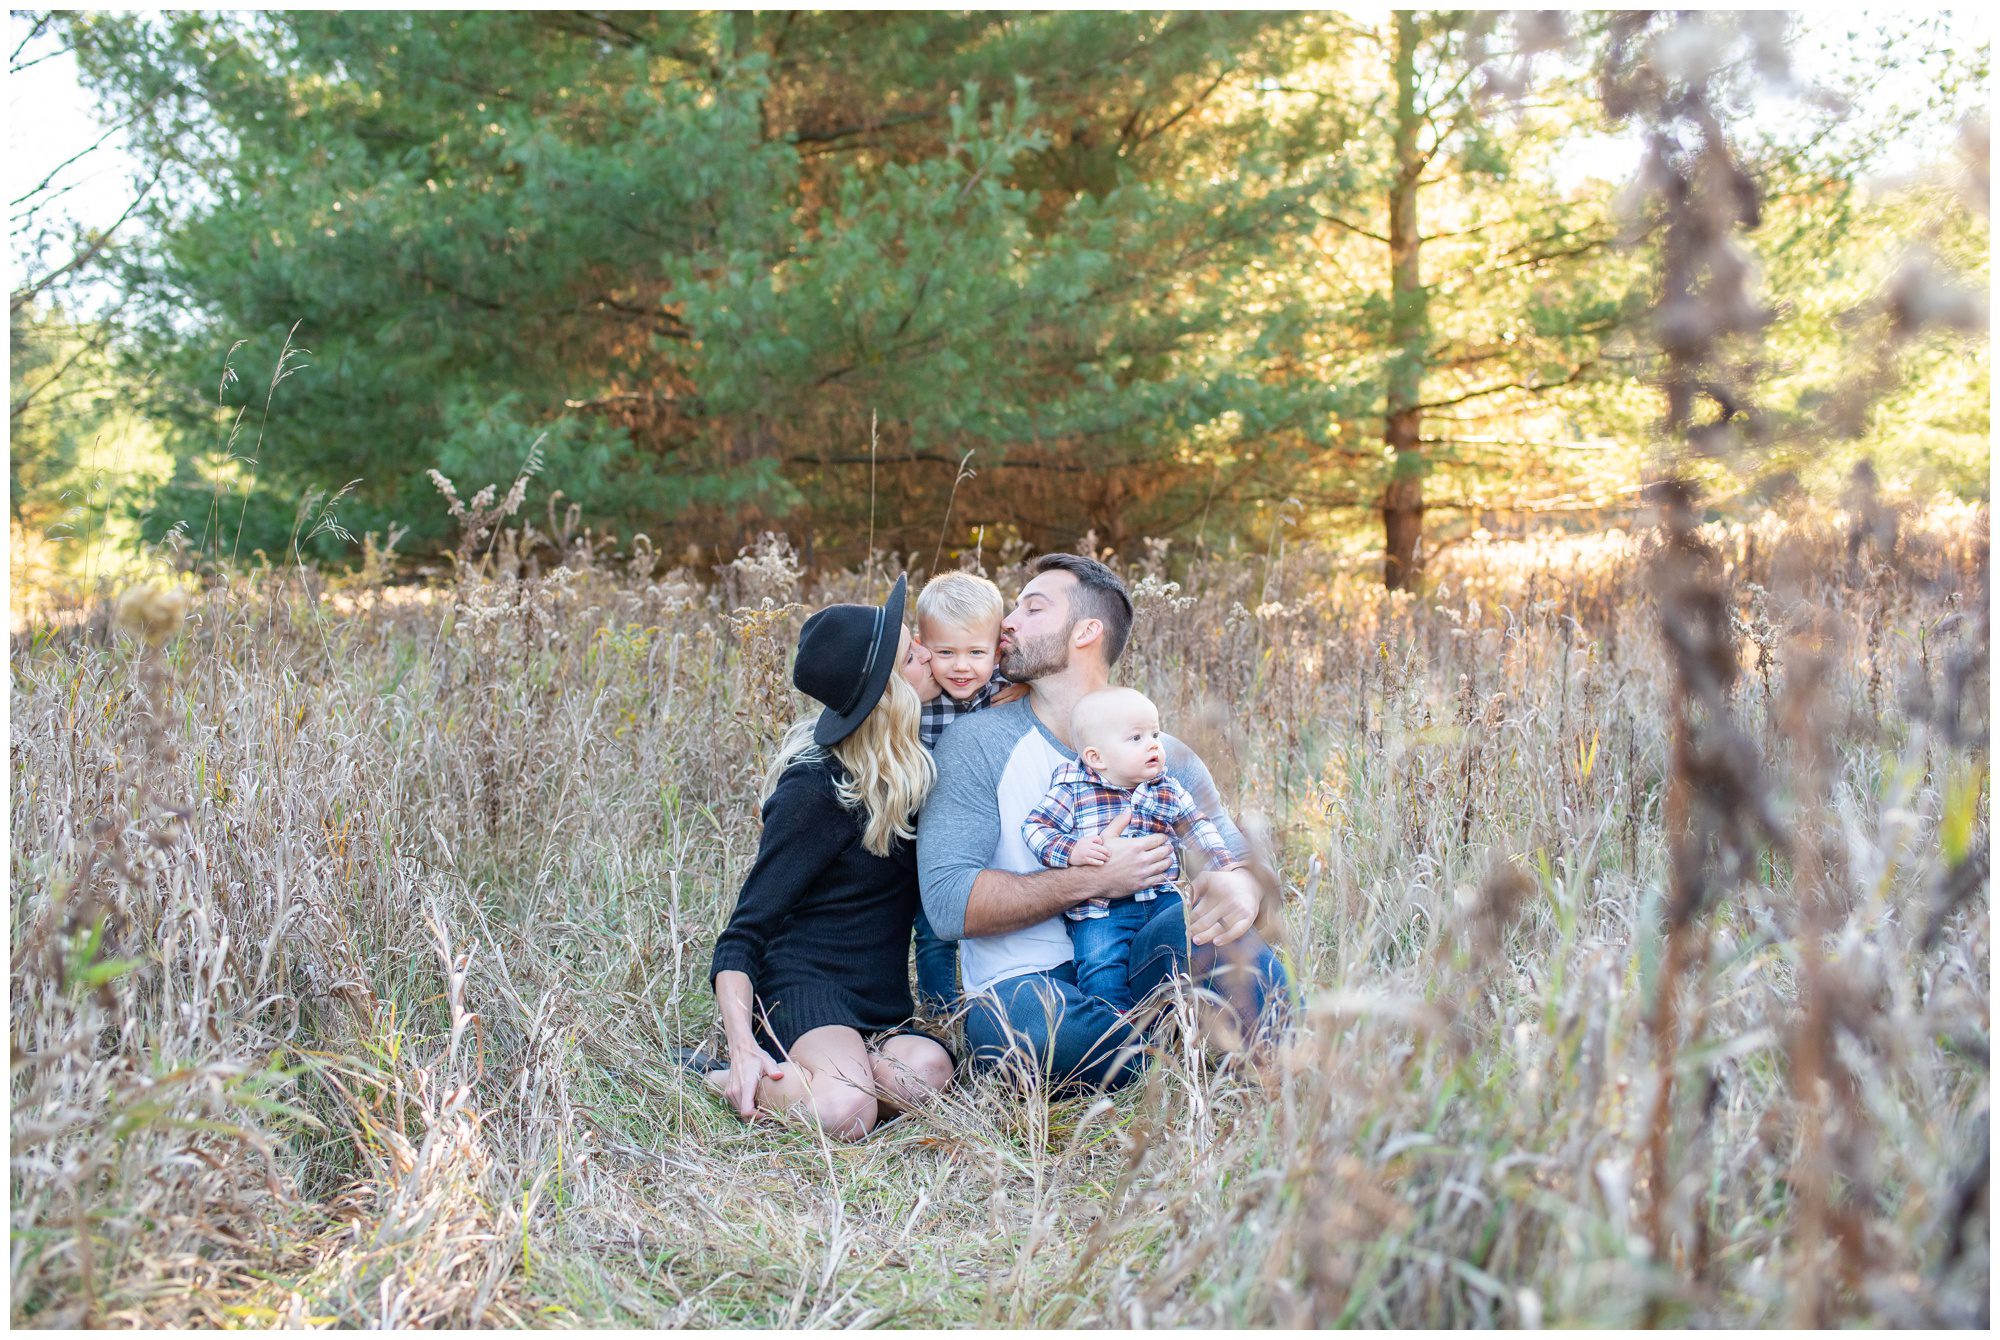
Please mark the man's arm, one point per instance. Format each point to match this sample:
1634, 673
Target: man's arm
1206, 836
1003, 901
1226, 902
960, 830
1185, 767
1191, 825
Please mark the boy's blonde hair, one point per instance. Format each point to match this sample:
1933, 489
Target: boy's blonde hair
962, 599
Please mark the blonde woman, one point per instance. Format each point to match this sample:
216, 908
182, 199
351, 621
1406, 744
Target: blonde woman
811, 975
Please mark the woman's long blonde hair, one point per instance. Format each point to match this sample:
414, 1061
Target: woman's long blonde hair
889, 770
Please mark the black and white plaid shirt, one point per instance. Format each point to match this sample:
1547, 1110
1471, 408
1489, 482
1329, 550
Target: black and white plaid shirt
942, 710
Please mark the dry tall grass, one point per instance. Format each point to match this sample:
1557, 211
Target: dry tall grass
348, 933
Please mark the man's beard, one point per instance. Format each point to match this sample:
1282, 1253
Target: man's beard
1025, 662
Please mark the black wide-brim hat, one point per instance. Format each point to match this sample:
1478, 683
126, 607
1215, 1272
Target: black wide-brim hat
846, 655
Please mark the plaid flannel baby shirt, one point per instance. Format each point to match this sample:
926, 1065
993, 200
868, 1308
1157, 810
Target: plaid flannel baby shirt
1080, 802
942, 710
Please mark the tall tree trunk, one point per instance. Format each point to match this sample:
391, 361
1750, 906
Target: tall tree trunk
1409, 330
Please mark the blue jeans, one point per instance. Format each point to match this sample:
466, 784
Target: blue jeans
1043, 1025
937, 968
1103, 947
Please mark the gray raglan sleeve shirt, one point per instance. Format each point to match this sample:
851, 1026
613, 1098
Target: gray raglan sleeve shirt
1187, 768
959, 829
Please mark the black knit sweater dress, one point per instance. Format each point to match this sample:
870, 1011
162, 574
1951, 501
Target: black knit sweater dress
821, 926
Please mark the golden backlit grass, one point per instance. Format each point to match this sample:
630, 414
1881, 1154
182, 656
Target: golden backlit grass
349, 930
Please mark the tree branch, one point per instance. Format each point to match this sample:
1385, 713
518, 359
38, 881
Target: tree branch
1350, 227
1446, 96
31, 64
1462, 232
1199, 99
1438, 359
1532, 388
427, 277
607, 31
40, 26
832, 134
27, 293
665, 322
28, 399
55, 171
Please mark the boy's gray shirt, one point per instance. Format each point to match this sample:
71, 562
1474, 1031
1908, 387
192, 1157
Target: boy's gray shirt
993, 767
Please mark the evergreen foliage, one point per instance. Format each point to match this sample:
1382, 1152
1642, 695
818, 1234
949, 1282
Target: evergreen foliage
848, 274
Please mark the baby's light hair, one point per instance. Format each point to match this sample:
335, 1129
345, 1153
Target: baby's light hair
962, 599
1094, 709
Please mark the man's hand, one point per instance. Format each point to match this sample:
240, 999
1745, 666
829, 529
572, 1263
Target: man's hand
1133, 863
1225, 905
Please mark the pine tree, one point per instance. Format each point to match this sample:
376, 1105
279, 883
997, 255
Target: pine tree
1467, 285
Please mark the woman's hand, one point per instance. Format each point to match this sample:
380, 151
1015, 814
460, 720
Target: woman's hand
748, 1064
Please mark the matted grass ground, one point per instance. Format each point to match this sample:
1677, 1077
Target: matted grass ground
348, 931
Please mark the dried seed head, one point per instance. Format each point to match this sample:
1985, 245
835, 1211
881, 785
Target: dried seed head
151, 612
1493, 907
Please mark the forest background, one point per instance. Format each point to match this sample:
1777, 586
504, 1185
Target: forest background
934, 283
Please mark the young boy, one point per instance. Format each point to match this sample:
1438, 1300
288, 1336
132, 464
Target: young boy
1120, 771
958, 621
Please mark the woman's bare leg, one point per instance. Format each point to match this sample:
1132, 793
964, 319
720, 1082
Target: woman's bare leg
828, 1080
907, 1069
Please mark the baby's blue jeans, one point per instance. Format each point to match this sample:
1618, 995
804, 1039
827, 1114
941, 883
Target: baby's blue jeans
1103, 947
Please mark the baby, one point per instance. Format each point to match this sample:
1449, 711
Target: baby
958, 621
1121, 771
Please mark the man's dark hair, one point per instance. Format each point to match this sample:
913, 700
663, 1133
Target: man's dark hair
1099, 595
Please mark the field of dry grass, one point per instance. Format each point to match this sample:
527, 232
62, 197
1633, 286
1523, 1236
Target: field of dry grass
348, 929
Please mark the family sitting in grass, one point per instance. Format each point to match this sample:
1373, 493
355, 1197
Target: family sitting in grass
984, 786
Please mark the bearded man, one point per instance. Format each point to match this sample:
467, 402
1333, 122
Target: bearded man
983, 887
